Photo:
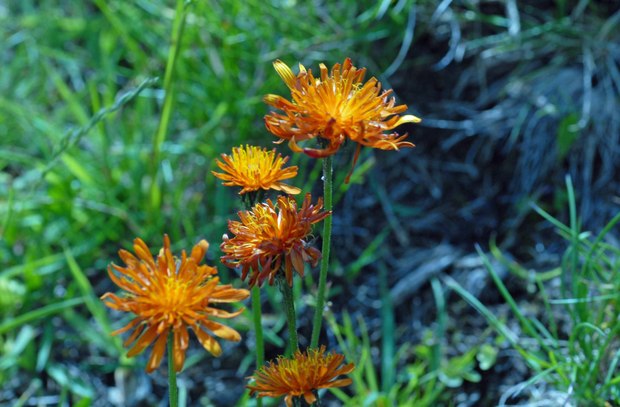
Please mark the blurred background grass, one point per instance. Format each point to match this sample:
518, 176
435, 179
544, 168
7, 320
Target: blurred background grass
514, 95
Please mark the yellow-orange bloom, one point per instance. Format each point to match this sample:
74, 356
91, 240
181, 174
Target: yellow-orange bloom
300, 376
336, 107
171, 294
266, 237
253, 168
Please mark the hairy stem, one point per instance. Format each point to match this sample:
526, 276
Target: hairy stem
172, 373
249, 201
327, 236
258, 331
289, 308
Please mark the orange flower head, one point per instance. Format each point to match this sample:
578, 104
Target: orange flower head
301, 375
334, 108
267, 237
253, 168
171, 294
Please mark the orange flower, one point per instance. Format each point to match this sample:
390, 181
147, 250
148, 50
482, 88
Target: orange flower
300, 376
170, 294
266, 236
335, 108
253, 168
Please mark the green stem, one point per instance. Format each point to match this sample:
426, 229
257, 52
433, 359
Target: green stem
172, 373
249, 200
258, 331
177, 33
289, 309
327, 237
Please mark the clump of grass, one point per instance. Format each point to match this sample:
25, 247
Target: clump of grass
578, 358
424, 374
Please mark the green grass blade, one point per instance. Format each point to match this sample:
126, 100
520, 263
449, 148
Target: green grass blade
525, 323
39, 313
93, 303
499, 326
388, 376
162, 128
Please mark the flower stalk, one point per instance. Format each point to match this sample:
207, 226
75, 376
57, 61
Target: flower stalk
289, 309
257, 313
173, 393
327, 235
258, 330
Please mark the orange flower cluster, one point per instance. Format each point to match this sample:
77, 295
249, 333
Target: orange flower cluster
253, 168
267, 237
168, 294
334, 108
301, 375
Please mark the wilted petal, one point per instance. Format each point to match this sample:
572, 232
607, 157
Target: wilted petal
268, 235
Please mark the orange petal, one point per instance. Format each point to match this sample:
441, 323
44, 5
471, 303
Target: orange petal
355, 157
337, 383
142, 251
222, 331
144, 341
291, 190
207, 341
199, 251
298, 262
294, 147
285, 73
288, 268
228, 294
225, 314
309, 397
409, 118
137, 332
320, 153
127, 327
113, 301
157, 354
179, 359
181, 338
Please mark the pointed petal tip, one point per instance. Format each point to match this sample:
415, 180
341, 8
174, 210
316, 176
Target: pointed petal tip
285, 73
410, 119
289, 189
204, 245
271, 99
